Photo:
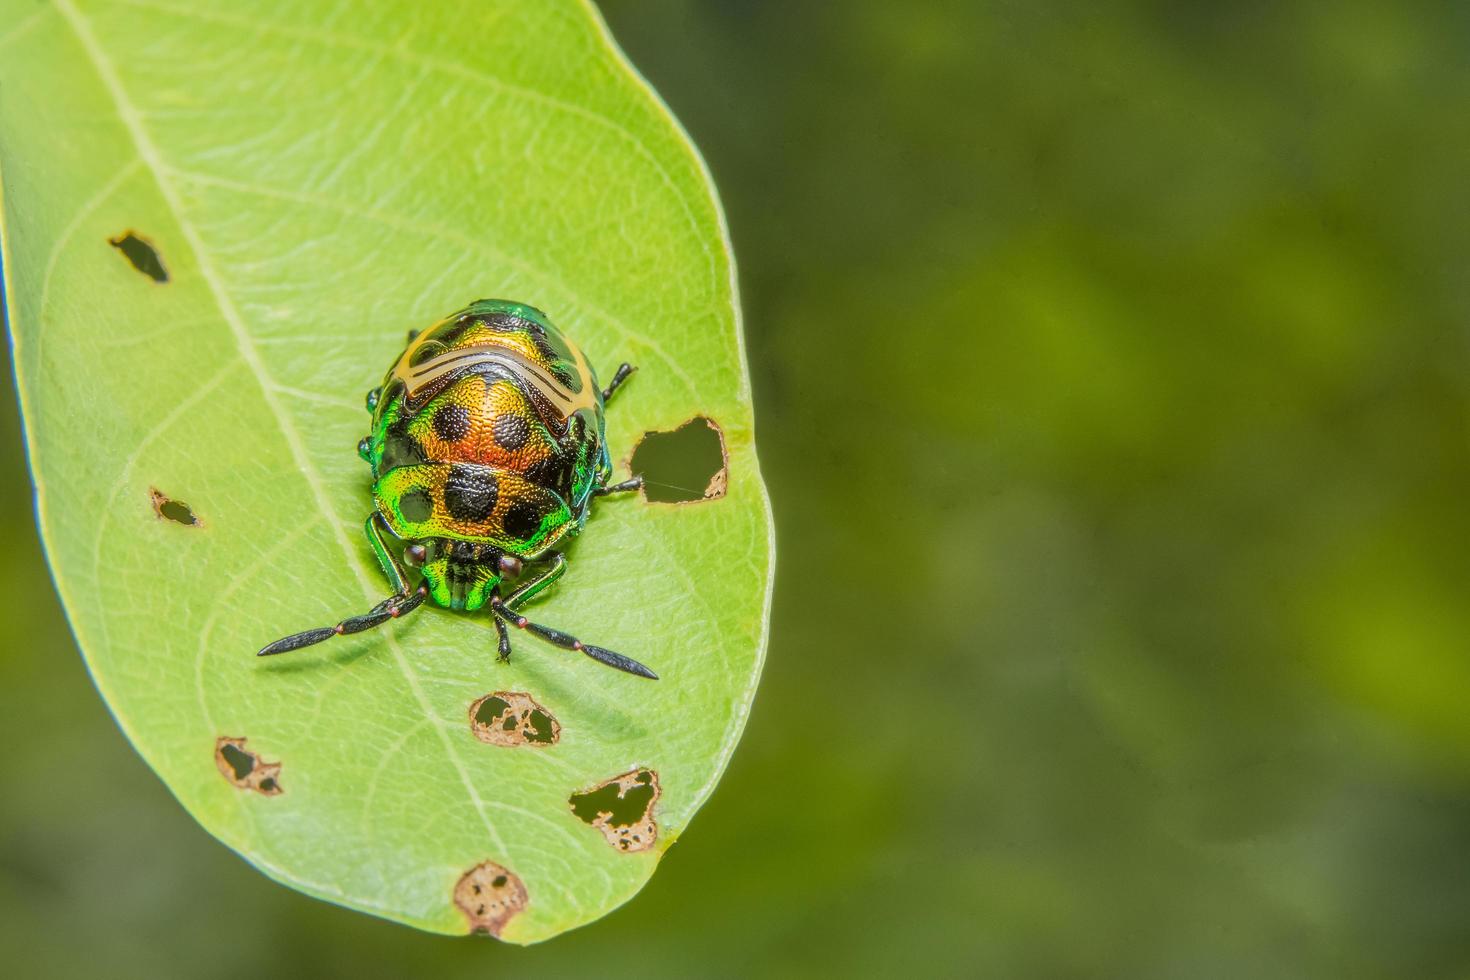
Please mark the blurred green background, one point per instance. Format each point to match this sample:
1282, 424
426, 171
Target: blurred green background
1111, 378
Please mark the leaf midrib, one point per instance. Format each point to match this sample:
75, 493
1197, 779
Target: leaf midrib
148, 152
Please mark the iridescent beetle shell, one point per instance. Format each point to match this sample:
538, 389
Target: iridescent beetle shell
489, 429
487, 448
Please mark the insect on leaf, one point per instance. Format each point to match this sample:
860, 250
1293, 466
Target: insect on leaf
219, 221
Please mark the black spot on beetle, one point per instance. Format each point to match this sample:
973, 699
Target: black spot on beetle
554, 473
452, 422
470, 493
400, 448
416, 506
142, 254
511, 431
523, 520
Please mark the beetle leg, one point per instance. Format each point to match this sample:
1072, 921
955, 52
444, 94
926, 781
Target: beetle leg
540, 583
618, 378
568, 642
636, 483
375, 529
544, 580
504, 639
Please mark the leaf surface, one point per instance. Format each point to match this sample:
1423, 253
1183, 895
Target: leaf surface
315, 180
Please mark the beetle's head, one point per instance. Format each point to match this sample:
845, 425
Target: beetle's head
460, 574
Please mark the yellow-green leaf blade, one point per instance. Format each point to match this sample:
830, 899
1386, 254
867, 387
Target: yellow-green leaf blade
315, 184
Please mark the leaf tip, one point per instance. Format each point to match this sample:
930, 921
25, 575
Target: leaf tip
490, 895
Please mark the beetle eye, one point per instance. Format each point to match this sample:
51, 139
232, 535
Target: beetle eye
372, 399
510, 566
415, 555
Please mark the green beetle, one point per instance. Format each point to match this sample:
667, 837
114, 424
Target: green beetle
487, 447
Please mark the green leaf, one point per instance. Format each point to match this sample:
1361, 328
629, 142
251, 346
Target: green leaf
219, 222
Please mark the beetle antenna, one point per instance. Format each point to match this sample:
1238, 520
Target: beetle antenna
568, 642
392, 607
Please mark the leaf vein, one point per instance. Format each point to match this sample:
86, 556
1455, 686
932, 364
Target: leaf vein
452, 237
151, 156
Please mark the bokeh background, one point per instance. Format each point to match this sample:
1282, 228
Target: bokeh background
1111, 377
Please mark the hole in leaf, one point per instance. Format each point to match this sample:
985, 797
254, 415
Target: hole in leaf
142, 254
242, 763
622, 808
489, 895
682, 466
512, 718
244, 768
169, 509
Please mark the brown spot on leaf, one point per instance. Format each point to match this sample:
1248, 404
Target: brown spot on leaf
244, 768
622, 808
169, 509
686, 465
489, 895
511, 718
142, 253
